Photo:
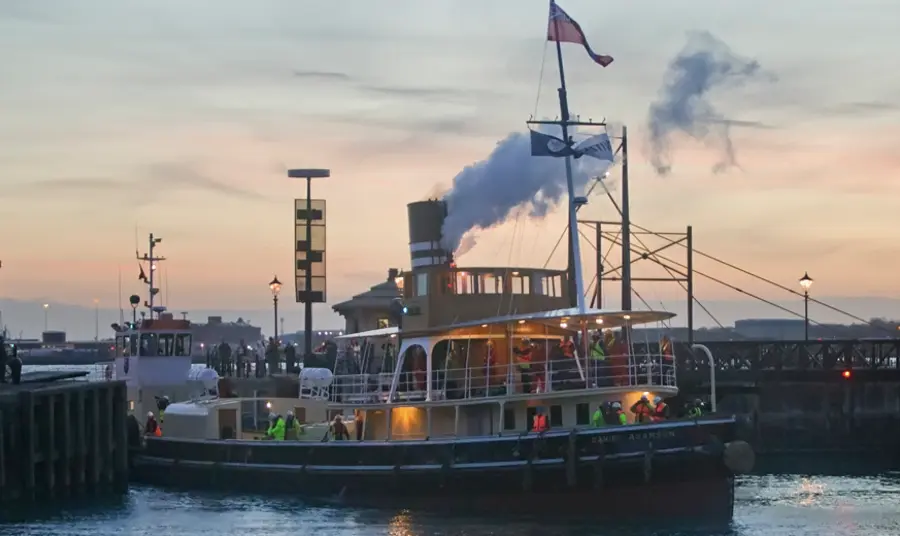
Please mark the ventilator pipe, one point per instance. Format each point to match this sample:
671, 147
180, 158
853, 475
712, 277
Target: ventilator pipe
712, 374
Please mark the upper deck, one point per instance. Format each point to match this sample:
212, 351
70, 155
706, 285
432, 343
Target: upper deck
517, 357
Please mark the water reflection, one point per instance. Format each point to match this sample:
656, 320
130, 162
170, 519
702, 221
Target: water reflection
768, 505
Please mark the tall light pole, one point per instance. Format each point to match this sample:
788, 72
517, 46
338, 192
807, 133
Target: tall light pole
307, 262
46, 313
806, 282
96, 319
275, 287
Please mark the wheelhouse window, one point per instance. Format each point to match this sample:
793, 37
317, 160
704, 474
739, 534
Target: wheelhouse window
183, 344
490, 284
552, 286
421, 284
382, 323
465, 283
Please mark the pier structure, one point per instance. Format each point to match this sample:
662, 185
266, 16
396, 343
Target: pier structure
61, 439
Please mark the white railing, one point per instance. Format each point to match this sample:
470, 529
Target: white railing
643, 372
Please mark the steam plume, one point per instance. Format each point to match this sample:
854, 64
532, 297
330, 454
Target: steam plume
704, 64
486, 193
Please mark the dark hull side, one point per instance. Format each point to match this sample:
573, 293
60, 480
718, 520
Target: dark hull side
673, 469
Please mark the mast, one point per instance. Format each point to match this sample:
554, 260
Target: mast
626, 227
574, 245
152, 260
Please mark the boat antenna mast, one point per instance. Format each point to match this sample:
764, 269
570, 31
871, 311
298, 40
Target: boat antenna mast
152, 261
562, 28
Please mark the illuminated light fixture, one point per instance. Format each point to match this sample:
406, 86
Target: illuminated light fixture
484, 325
645, 393
599, 320
563, 325
268, 405
847, 374
521, 321
627, 317
515, 273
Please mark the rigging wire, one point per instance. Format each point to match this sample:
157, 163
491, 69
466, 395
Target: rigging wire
537, 99
765, 280
727, 285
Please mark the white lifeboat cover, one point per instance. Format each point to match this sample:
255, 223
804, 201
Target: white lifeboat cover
187, 409
316, 378
205, 376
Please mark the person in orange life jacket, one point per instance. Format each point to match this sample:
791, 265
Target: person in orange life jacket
642, 410
152, 427
540, 424
660, 410
523, 358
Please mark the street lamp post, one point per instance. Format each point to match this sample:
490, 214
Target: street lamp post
275, 287
96, 319
806, 282
46, 314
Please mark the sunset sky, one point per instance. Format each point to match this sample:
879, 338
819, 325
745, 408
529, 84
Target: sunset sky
122, 117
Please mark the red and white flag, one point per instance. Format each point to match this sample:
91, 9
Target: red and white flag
563, 29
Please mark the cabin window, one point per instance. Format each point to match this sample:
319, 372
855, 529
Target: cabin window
149, 344
382, 323
465, 283
521, 284
183, 344
582, 414
509, 419
556, 417
490, 284
166, 344
553, 286
422, 284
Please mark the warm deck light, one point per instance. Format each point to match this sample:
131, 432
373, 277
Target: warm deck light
846, 374
563, 325
627, 317
484, 325
268, 405
515, 273
521, 321
599, 320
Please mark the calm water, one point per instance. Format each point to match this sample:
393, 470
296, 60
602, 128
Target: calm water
770, 506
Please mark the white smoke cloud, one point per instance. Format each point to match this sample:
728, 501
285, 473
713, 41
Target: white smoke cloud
488, 192
705, 63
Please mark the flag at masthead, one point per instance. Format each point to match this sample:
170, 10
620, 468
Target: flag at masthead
563, 29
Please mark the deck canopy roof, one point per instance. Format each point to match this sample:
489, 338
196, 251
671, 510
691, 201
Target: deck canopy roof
554, 322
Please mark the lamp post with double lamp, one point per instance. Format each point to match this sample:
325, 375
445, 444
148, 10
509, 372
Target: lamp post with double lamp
309, 174
275, 287
806, 282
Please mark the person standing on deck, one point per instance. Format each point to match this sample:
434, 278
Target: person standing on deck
619, 415
660, 410
523, 359
151, 428
642, 410
598, 419
291, 427
597, 354
540, 424
339, 430
276, 427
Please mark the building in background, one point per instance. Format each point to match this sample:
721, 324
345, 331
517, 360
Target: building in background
371, 309
215, 330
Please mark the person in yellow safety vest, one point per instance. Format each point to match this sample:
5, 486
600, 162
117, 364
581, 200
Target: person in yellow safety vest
162, 402
642, 410
276, 427
598, 358
660, 410
598, 419
696, 409
523, 359
620, 417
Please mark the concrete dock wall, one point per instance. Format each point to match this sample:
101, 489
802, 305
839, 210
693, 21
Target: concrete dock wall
62, 440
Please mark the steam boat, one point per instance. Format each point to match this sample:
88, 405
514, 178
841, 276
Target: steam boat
440, 405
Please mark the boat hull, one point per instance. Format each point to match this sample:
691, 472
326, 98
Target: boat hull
623, 472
